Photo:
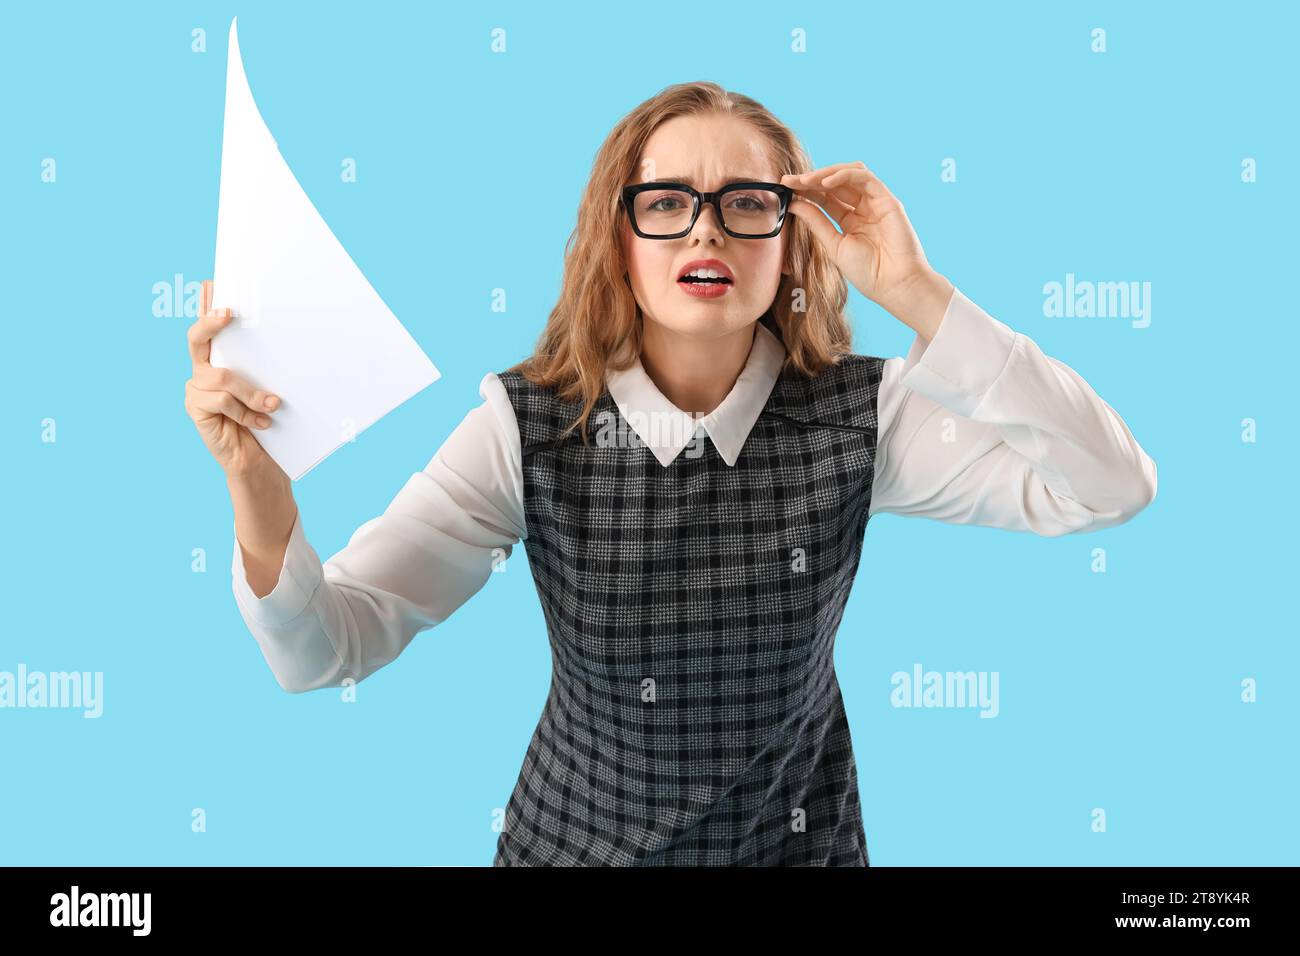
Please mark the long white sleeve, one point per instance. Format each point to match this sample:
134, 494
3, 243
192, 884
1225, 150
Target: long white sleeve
402, 572
980, 427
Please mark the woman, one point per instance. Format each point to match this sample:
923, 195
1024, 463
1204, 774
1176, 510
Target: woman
692, 568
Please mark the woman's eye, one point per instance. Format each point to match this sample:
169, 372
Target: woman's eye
655, 205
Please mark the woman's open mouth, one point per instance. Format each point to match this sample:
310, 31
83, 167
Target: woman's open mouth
705, 284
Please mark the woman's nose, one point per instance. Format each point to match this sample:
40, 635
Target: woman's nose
708, 221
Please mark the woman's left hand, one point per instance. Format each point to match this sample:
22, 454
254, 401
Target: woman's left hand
878, 251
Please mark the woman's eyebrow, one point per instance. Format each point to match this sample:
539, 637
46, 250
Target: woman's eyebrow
690, 180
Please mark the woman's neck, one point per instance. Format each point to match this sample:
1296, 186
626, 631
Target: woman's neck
694, 374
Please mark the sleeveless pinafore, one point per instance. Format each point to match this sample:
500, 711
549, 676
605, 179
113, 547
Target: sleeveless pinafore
694, 716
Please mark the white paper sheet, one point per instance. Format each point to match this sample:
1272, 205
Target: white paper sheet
307, 324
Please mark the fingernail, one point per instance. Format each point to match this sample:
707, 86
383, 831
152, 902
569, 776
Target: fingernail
263, 420
272, 401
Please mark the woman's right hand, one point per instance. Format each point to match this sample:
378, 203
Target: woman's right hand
223, 405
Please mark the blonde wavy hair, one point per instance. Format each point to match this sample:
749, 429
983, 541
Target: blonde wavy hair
597, 317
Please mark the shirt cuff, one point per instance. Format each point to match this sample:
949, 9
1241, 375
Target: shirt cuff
963, 360
300, 576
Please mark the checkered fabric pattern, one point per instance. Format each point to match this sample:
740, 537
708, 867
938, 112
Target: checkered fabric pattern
694, 716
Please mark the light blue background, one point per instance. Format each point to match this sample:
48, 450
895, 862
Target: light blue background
1118, 690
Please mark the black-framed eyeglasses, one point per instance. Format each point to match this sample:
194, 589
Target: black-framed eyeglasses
747, 210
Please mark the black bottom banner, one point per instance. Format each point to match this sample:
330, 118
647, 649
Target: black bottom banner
335, 905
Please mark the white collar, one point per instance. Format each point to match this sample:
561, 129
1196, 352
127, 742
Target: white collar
666, 430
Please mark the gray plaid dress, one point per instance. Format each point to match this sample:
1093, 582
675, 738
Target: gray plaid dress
694, 717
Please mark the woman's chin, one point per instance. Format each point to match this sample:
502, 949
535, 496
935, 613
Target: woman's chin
702, 321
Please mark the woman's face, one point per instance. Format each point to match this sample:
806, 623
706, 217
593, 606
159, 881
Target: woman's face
706, 152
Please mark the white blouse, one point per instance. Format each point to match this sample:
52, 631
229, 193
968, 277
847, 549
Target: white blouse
976, 427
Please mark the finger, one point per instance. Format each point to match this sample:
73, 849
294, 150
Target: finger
836, 207
215, 378
824, 171
201, 332
805, 184
872, 200
847, 181
815, 218
205, 303
863, 179
224, 403
860, 177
